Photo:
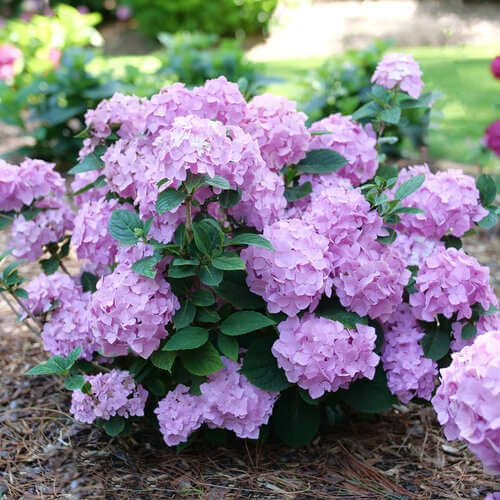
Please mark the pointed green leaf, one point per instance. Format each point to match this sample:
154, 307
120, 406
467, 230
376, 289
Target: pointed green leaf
228, 346
228, 263
298, 192
250, 239
409, 187
164, 360
190, 337
169, 200
202, 361
124, 226
321, 161
243, 322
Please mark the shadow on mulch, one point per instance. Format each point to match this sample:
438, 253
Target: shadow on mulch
45, 454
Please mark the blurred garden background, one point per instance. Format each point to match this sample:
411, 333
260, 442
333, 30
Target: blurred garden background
58, 59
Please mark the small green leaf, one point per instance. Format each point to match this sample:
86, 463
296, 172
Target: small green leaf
409, 187
74, 382
391, 115
469, 331
242, 322
261, 368
73, 356
228, 263
202, 298
210, 276
321, 161
435, 343
185, 315
487, 189
181, 271
207, 316
21, 293
114, 426
239, 295
250, 239
202, 361
229, 198
490, 221
190, 337
298, 192
207, 236
228, 346
333, 310
217, 182
169, 200
185, 262
89, 282
91, 162
408, 210
164, 360
147, 266
124, 226
366, 111
99, 182
49, 266
390, 238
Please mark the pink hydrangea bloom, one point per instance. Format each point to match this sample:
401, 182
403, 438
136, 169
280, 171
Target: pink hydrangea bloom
91, 237
370, 279
22, 185
415, 248
321, 355
449, 199
343, 215
409, 372
222, 101
493, 496
84, 179
113, 393
232, 402
468, 400
294, 275
350, 140
179, 414
449, 282
131, 311
123, 13
8, 57
492, 137
495, 67
399, 69
69, 327
28, 237
44, 290
484, 324
278, 128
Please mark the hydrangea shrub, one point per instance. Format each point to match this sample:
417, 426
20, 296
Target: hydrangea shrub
241, 271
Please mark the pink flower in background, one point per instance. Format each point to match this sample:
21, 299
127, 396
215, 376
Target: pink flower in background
8, 57
123, 13
399, 69
55, 57
495, 67
467, 402
492, 137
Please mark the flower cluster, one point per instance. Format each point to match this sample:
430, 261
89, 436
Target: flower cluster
449, 282
449, 201
484, 324
294, 275
399, 70
355, 143
8, 57
227, 401
321, 355
409, 372
492, 137
495, 67
468, 400
110, 394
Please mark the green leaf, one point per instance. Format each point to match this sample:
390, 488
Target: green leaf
409, 187
295, 422
390, 238
243, 322
147, 266
185, 315
408, 210
55, 364
190, 337
202, 361
49, 266
250, 239
369, 396
207, 236
321, 161
21, 293
202, 298
487, 189
391, 115
99, 182
451, 241
185, 262
6, 219
436, 342
74, 382
207, 316
228, 263
73, 356
368, 110
228, 346
168, 200
229, 198
490, 221
181, 271
114, 426
261, 368
298, 192
333, 310
210, 276
238, 295
469, 331
91, 162
124, 226
217, 182
89, 282
164, 360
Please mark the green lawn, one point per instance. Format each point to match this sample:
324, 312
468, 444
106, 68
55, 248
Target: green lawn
460, 73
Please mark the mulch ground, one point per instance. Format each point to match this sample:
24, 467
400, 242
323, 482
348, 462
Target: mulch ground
45, 454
